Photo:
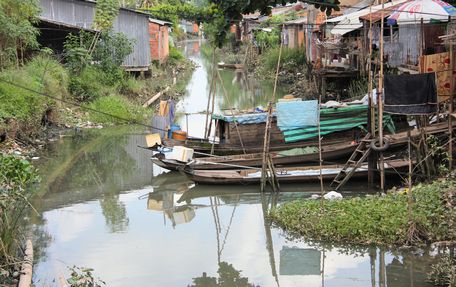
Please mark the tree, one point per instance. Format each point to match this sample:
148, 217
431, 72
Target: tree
17, 33
232, 11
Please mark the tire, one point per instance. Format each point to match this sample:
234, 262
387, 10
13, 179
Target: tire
374, 144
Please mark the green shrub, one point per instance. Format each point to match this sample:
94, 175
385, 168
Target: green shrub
130, 85
268, 39
290, 59
175, 54
119, 107
376, 219
443, 273
53, 75
87, 86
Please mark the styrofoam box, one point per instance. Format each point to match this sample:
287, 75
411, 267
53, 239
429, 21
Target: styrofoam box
181, 153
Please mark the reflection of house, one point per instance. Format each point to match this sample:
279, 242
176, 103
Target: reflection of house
299, 261
189, 27
159, 39
73, 15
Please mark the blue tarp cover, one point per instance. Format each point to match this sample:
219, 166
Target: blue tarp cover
297, 114
253, 118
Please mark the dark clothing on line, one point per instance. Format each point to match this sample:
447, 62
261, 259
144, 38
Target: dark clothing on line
410, 94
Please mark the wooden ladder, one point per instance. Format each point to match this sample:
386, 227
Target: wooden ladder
354, 162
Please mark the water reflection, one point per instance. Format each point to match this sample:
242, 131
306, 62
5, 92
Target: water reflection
227, 276
103, 205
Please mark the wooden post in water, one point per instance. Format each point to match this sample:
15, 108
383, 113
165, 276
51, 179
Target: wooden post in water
409, 180
380, 101
320, 159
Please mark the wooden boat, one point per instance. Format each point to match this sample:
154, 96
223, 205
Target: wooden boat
224, 148
284, 174
288, 157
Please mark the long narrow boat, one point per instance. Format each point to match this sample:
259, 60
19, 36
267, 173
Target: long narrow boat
307, 155
284, 175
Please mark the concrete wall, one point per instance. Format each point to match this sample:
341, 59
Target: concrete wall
81, 14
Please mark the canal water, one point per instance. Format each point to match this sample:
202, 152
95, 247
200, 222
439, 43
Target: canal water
103, 205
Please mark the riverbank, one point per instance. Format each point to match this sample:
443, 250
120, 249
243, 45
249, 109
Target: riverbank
379, 219
42, 100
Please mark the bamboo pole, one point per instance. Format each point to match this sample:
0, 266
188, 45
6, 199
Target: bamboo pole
380, 101
371, 111
212, 109
211, 90
25, 280
267, 134
451, 110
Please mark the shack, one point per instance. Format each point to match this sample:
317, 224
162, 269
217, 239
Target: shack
68, 16
294, 32
159, 39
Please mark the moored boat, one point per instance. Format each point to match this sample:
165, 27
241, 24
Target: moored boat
304, 155
284, 174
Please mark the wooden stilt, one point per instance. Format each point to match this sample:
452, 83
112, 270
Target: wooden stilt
380, 101
409, 180
320, 159
371, 111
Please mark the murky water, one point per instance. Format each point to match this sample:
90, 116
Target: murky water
103, 205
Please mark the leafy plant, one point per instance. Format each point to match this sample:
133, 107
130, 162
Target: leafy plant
105, 13
266, 39
443, 273
358, 88
375, 219
83, 277
15, 175
17, 30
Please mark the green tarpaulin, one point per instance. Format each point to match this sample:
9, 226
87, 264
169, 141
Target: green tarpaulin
337, 119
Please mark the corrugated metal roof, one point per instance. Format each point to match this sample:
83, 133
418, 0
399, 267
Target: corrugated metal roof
160, 22
302, 20
80, 13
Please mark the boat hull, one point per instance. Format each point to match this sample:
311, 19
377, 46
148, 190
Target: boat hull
284, 175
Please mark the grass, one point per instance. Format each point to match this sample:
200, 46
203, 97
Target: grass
120, 108
41, 74
375, 220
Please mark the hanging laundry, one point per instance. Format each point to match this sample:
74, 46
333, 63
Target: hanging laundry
440, 64
171, 110
297, 114
411, 94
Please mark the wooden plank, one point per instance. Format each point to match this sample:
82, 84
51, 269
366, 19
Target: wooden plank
154, 98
